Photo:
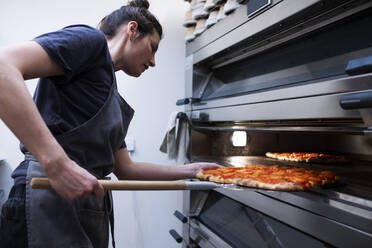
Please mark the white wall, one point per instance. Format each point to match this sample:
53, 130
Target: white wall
142, 218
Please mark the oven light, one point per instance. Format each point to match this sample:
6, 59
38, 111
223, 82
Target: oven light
239, 138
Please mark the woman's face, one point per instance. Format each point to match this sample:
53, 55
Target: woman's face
140, 54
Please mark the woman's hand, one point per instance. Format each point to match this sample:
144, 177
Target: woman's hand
71, 181
197, 167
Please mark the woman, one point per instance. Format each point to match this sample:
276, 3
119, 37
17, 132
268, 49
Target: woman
74, 134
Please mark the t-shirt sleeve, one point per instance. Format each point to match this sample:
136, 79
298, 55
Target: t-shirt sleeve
74, 48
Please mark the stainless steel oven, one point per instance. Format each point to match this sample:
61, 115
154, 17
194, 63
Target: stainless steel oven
295, 75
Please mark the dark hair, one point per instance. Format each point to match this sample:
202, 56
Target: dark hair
135, 10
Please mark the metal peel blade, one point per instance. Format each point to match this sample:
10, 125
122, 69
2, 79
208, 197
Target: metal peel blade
200, 185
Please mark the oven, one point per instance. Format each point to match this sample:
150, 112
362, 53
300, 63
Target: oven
282, 76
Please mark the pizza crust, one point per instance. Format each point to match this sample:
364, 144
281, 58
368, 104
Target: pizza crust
291, 157
211, 178
287, 186
217, 179
202, 176
270, 155
232, 180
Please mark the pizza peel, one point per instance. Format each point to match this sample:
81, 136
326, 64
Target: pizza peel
43, 183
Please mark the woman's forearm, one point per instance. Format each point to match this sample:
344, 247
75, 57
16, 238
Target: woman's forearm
149, 171
126, 169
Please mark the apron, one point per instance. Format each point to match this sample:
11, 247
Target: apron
84, 222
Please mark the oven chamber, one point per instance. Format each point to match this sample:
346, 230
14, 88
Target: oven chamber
293, 76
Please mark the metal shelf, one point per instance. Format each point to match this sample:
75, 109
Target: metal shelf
281, 129
317, 130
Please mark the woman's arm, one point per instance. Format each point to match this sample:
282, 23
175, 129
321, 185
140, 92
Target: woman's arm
126, 169
20, 114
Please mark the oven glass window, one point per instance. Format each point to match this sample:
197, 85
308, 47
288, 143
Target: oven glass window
241, 226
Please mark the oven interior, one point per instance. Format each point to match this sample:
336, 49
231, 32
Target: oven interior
249, 218
354, 176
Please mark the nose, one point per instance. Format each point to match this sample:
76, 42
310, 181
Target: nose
152, 61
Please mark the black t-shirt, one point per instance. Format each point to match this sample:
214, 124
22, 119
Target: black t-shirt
68, 101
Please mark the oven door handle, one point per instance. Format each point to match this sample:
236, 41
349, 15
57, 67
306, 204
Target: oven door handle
356, 100
176, 236
180, 216
359, 66
188, 100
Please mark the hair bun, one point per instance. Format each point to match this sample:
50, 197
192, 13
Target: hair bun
139, 4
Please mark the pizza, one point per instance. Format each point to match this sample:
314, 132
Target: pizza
308, 157
272, 177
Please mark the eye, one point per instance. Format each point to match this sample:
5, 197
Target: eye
154, 48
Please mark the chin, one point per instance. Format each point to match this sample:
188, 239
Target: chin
137, 74
133, 74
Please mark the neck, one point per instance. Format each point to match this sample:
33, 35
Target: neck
116, 46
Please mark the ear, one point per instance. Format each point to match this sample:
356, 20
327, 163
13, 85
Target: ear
132, 30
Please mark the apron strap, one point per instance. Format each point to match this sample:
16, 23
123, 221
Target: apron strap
109, 209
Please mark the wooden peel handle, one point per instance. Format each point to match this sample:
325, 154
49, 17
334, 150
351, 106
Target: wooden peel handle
43, 183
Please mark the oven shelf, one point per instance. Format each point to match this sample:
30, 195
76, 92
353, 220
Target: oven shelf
318, 130
353, 130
